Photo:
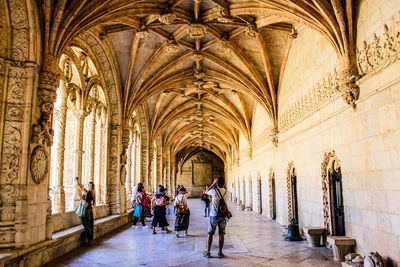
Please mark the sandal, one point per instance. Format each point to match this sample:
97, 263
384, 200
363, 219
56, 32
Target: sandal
206, 254
221, 255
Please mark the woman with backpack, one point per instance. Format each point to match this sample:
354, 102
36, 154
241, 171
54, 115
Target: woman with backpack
182, 212
158, 204
139, 210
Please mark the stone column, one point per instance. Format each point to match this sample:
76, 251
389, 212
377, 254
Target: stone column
173, 177
80, 118
128, 183
92, 145
169, 182
58, 170
159, 168
17, 79
144, 156
113, 173
149, 168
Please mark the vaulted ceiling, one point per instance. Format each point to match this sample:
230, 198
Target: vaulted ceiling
197, 68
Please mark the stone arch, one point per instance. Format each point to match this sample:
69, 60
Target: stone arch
272, 195
329, 164
290, 173
100, 55
88, 42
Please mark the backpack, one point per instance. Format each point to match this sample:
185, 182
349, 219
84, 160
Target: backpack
222, 209
180, 209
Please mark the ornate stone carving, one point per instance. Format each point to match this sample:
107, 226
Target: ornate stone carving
289, 173
42, 133
328, 165
378, 53
271, 194
39, 166
309, 103
167, 18
348, 87
196, 30
274, 137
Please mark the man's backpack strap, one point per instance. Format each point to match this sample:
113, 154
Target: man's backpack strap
220, 195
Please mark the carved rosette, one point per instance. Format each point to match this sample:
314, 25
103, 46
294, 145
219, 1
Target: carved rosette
328, 165
42, 132
289, 173
39, 165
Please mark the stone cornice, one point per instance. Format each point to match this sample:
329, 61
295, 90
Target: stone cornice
321, 92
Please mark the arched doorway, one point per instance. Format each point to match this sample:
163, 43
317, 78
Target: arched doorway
332, 194
272, 195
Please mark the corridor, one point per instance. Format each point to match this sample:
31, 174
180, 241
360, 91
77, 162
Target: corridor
252, 240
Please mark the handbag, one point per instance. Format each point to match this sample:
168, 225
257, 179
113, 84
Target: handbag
81, 208
138, 210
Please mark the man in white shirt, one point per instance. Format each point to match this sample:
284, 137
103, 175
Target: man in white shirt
216, 190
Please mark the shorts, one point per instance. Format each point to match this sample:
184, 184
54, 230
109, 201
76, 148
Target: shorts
212, 225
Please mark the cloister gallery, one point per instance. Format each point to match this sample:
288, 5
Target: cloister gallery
295, 103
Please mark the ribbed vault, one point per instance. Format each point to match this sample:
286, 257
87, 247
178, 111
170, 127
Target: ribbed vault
196, 69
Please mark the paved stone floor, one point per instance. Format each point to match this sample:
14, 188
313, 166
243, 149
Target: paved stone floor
251, 240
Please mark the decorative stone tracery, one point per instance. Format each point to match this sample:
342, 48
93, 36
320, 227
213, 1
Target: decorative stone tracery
272, 211
289, 175
309, 103
329, 164
378, 53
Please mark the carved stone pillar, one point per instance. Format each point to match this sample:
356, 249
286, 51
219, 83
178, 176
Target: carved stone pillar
144, 157
92, 145
17, 90
134, 161
173, 178
150, 157
169, 180
113, 172
128, 183
80, 118
159, 168
58, 170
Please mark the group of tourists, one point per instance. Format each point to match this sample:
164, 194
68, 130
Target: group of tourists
215, 207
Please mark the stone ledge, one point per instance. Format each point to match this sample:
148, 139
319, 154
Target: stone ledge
341, 246
62, 243
314, 236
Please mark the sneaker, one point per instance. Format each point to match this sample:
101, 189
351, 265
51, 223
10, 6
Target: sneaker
206, 254
221, 255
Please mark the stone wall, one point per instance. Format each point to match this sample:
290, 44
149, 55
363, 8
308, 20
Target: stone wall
206, 168
365, 141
